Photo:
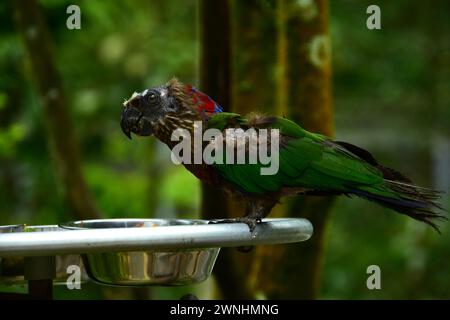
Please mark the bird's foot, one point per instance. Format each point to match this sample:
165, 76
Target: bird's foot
189, 296
250, 222
245, 249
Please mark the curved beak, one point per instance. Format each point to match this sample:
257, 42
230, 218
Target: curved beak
133, 120
124, 125
129, 121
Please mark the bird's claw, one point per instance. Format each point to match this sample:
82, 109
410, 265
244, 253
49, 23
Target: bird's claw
245, 249
250, 222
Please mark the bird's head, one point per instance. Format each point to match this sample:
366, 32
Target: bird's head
147, 111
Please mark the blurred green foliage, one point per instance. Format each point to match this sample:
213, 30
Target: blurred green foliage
390, 96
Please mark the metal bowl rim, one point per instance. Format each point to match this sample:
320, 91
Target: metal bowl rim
18, 228
73, 225
13, 228
43, 228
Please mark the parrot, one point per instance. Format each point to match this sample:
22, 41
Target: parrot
308, 163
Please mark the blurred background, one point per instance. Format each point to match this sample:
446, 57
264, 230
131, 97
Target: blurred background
63, 156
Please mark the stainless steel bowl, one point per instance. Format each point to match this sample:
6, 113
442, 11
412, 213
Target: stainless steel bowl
152, 267
12, 269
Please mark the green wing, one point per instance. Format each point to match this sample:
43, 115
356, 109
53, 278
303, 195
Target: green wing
306, 160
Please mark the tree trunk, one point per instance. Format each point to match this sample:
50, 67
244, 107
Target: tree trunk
254, 56
259, 84
215, 79
62, 141
294, 271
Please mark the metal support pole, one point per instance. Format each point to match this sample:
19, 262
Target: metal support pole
40, 272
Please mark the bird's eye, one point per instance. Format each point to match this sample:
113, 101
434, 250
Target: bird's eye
152, 98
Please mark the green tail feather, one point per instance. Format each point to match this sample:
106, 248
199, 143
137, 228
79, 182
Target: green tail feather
405, 198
